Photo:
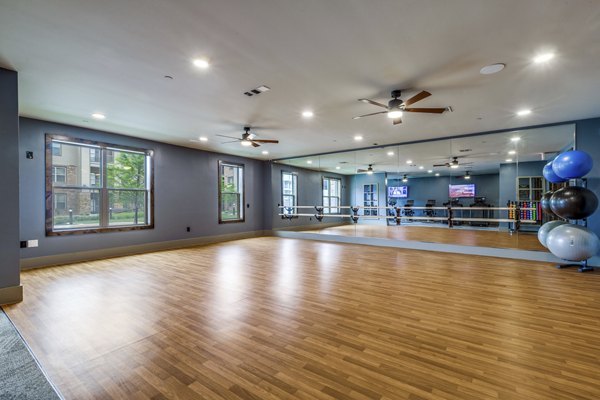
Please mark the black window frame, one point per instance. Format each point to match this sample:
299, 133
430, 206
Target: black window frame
103, 189
295, 195
242, 205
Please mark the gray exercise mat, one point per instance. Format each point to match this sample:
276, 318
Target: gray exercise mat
20, 375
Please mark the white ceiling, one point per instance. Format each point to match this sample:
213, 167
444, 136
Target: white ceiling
76, 57
481, 154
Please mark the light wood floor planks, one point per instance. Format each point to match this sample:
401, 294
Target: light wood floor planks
273, 318
439, 234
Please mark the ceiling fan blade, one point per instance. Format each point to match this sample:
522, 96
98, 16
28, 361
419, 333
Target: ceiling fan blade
440, 165
397, 121
360, 171
373, 102
265, 141
418, 97
368, 115
426, 110
254, 144
229, 137
233, 141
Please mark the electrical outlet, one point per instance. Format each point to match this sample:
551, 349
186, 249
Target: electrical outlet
32, 243
29, 155
23, 244
188, 229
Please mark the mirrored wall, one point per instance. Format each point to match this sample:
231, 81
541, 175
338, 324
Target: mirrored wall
480, 190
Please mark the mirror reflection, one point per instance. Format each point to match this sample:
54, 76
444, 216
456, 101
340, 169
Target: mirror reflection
480, 190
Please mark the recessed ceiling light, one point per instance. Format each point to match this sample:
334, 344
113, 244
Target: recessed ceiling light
265, 152
492, 69
358, 138
98, 116
437, 174
515, 139
307, 114
309, 161
409, 161
512, 152
508, 160
390, 153
421, 167
338, 167
201, 63
429, 171
203, 139
522, 113
542, 58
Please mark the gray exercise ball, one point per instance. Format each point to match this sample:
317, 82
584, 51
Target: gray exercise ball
573, 242
545, 230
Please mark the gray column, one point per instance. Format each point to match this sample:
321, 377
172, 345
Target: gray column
10, 289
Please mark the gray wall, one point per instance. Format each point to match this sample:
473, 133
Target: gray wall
9, 176
310, 192
588, 139
186, 193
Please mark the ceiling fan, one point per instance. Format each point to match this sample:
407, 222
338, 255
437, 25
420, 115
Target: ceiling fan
248, 139
452, 164
368, 171
396, 107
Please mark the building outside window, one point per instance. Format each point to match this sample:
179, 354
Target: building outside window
56, 149
59, 175
289, 191
332, 193
102, 193
231, 192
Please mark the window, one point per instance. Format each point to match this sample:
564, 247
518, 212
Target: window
332, 189
94, 192
59, 175
60, 201
231, 192
56, 149
289, 191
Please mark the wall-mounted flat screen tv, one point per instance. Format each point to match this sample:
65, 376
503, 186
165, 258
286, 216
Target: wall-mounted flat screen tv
398, 192
457, 191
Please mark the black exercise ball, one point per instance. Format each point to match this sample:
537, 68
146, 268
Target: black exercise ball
573, 202
545, 202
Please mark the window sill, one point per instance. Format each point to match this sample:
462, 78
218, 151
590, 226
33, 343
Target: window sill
67, 232
231, 221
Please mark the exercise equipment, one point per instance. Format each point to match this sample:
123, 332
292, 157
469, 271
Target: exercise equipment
573, 242
545, 203
573, 202
572, 164
480, 203
550, 176
545, 230
408, 208
429, 211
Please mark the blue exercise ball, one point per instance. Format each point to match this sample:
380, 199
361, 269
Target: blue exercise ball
572, 164
545, 230
550, 175
573, 242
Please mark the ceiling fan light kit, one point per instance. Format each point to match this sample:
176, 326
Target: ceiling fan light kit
248, 139
396, 106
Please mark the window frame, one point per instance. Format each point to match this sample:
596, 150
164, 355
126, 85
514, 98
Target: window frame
329, 196
242, 218
51, 231
295, 195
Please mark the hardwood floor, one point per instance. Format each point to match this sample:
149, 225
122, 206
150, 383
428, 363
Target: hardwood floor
438, 234
273, 318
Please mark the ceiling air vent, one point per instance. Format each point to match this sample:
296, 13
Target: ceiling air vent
258, 90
